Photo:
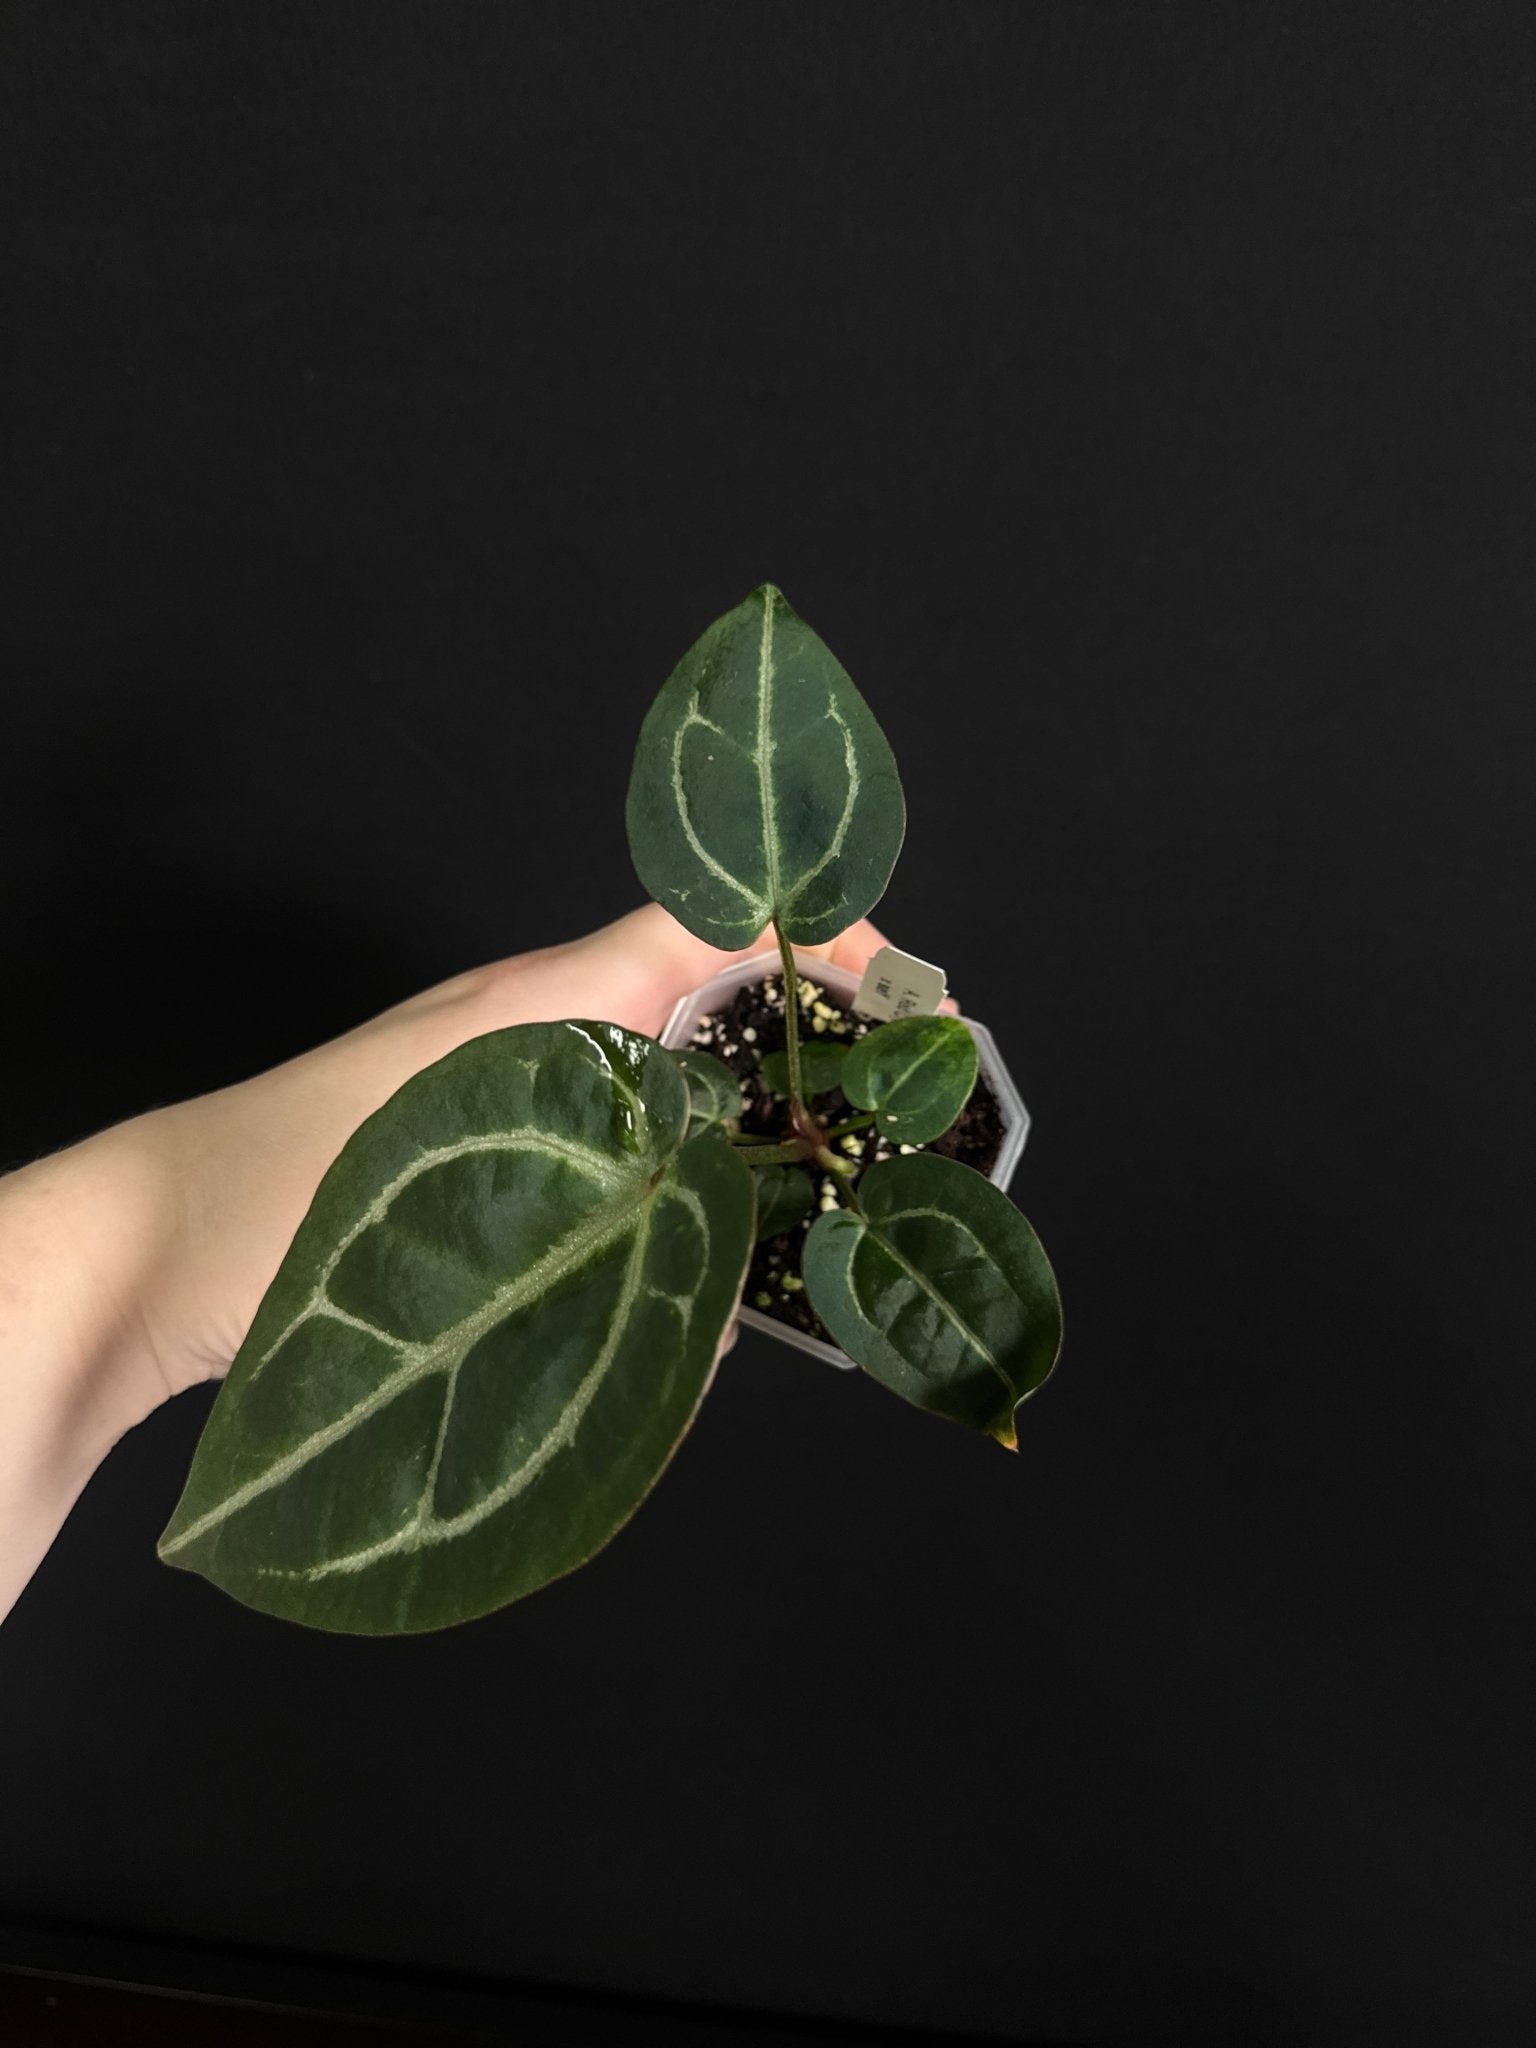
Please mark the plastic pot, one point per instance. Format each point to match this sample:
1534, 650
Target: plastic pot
716, 993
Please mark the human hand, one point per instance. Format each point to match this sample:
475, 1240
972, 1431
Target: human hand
238, 1168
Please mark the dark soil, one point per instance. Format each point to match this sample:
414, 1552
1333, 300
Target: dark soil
739, 1035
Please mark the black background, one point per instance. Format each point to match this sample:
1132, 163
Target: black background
1136, 398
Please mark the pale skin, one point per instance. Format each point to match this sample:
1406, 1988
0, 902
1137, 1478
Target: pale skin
131, 1265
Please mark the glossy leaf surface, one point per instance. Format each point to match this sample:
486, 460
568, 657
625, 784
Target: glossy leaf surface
941, 1291
714, 1093
916, 1074
763, 790
489, 1334
784, 1196
821, 1068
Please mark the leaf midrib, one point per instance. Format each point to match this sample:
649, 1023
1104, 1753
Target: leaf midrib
426, 1527
921, 1281
435, 1354
932, 1050
584, 1158
765, 751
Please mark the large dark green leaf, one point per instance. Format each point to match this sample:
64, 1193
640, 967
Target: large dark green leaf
491, 1331
916, 1074
940, 1290
821, 1067
763, 790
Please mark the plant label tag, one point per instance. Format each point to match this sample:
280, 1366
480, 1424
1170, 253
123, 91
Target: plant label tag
896, 984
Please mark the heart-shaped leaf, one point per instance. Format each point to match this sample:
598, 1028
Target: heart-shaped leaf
714, 1093
784, 1195
916, 1074
821, 1068
492, 1329
940, 1290
763, 790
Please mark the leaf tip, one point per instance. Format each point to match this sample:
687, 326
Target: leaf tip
771, 598
1003, 1432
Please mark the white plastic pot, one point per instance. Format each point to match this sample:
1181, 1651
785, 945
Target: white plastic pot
716, 994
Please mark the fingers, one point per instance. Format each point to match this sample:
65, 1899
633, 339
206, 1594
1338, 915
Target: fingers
652, 942
654, 935
854, 948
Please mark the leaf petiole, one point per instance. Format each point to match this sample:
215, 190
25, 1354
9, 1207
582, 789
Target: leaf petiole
792, 1154
791, 1017
854, 1123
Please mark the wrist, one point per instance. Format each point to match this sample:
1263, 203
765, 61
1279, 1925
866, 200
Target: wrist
80, 1235
76, 1239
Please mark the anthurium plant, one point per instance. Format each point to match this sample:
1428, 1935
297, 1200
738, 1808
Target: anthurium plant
501, 1312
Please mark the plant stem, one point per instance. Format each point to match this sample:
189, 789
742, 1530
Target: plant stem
792, 1154
791, 1016
854, 1123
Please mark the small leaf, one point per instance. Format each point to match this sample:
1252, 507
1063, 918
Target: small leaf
916, 1074
821, 1068
714, 1093
763, 790
491, 1331
784, 1195
940, 1290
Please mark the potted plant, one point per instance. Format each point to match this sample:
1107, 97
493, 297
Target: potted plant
505, 1303
739, 1018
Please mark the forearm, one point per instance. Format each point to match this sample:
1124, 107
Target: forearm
77, 1366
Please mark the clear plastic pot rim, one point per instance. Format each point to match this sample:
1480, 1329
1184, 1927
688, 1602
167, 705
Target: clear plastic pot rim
844, 984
